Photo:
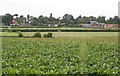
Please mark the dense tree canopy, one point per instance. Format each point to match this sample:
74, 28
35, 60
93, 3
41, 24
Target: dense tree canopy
66, 19
7, 19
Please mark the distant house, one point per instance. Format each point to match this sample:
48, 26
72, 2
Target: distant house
56, 25
87, 25
112, 26
102, 24
61, 24
93, 22
96, 24
53, 25
14, 22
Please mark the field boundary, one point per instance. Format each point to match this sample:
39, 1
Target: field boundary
56, 30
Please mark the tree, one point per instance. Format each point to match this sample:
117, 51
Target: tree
68, 19
41, 19
92, 18
50, 15
7, 19
77, 20
15, 15
34, 21
84, 20
27, 19
21, 20
101, 19
115, 20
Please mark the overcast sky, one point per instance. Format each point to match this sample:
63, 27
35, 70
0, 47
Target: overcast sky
108, 8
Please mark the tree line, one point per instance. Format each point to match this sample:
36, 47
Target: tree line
67, 19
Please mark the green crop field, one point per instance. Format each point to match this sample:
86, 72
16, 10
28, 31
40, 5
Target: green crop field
66, 53
63, 29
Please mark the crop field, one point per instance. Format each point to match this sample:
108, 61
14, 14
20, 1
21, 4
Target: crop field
63, 29
66, 53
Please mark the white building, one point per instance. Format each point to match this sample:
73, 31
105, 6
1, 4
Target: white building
86, 25
93, 22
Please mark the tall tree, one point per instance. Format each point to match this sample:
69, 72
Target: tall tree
68, 19
34, 21
77, 20
92, 18
101, 19
41, 19
7, 19
84, 20
115, 20
21, 19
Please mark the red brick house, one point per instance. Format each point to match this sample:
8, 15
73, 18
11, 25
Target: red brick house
112, 26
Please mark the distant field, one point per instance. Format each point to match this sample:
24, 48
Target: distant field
58, 29
66, 34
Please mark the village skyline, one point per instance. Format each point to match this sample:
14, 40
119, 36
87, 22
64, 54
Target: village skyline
66, 20
108, 8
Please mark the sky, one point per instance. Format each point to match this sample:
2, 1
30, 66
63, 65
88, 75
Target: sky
58, 8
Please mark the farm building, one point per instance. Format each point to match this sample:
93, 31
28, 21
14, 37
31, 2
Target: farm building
87, 25
93, 22
112, 26
100, 25
53, 25
14, 22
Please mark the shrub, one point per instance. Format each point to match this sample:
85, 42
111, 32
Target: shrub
20, 34
8, 29
49, 34
45, 35
37, 34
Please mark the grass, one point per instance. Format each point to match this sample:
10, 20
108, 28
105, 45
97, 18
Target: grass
66, 34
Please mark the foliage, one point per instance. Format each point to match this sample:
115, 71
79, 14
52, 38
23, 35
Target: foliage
45, 35
20, 34
49, 35
37, 34
8, 29
7, 19
101, 19
21, 20
34, 21
66, 20
60, 56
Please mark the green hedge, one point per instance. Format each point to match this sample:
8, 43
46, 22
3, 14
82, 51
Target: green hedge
37, 34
